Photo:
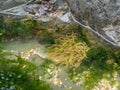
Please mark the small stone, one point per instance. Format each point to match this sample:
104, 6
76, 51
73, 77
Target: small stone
65, 86
1, 74
70, 88
57, 81
12, 87
10, 75
65, 79
19, 76
40, 77
2, 77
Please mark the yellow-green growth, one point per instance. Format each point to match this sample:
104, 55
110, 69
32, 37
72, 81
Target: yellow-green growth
68, 52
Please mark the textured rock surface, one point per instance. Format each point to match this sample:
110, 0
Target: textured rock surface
100, 16
6, 4
45, 10
103, 16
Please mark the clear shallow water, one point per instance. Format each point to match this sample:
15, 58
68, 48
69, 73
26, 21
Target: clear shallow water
47, 72
25, 46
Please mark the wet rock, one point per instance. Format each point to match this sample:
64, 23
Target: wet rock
113, 32
64, 17
44, 10
6, 4
98, 15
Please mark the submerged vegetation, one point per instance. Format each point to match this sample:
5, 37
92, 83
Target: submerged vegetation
88, 65
71, 47
100, 67
68, 52
15, 28
45, 37
18, 74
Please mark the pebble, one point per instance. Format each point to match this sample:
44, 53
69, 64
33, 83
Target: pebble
1, 74
40, 77
10, 75
12, 87
57, 81
70, 88
65, 86
65, 79
19, 76
2, 77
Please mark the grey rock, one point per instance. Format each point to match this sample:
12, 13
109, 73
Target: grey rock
6, 4
45, 10
98, 15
